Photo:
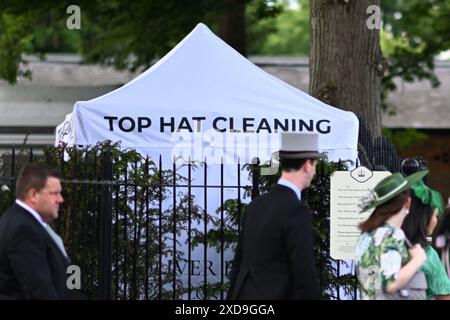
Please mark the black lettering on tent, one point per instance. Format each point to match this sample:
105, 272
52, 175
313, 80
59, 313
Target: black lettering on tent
110, 121
327, 128
228, 265
247, 125
195, 266
264, 125
302, 124
123, 128
199, 122
232, 129
293, 125
210, 267
215, 123
180, 267
184, 124
170, 124
144, 122
278, 124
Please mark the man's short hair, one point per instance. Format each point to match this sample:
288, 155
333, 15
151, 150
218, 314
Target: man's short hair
33, 176
289, 165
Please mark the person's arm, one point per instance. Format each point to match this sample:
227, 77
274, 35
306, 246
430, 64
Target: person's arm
418, 257
28, 257
437, 279
299, 243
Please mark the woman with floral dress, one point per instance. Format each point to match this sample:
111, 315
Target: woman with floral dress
418, 225
384, 264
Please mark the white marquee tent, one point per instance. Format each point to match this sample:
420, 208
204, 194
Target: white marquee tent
204, 95
203, 100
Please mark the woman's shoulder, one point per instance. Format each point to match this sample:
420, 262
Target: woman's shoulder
437, 279
387, 233
433, 261
431, 253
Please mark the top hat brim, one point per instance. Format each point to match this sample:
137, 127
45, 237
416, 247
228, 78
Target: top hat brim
411, 180
298, 155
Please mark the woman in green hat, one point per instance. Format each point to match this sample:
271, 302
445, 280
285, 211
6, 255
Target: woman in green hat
384, 263
418, 225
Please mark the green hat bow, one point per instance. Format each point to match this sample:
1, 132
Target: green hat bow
429, 196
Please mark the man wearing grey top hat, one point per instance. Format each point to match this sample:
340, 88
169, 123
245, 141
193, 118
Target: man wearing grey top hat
274, 258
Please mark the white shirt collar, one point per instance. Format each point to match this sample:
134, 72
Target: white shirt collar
292, 186
33, 212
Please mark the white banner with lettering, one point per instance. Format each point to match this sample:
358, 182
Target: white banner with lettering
205, 100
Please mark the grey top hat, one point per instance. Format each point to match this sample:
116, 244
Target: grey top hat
298, 145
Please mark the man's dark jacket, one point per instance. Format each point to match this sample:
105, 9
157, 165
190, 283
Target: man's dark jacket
274, 258
31, 264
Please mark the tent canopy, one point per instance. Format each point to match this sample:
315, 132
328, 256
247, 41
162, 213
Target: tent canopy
204, 95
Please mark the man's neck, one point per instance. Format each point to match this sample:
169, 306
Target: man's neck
31, 210
291, 177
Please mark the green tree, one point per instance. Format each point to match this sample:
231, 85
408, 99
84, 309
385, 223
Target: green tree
284, 33
133, 34
127, 34
404, 139
416, 31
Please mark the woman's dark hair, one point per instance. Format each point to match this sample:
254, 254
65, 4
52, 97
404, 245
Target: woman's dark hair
385, 211
416, 222
444, 227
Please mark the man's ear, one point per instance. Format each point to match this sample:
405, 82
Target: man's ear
31, 194
310, 163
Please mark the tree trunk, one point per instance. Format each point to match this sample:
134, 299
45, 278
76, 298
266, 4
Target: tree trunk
345, 58
232, 27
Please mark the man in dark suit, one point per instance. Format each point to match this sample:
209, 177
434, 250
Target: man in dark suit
274, 258
33, 261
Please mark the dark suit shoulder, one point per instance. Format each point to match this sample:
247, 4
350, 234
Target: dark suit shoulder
291, 205
282, 192
279, 199
17, 222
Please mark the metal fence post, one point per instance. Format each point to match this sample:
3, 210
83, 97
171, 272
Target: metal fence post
256, 172
105, 259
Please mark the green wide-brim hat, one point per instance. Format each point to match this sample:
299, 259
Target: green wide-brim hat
392, 186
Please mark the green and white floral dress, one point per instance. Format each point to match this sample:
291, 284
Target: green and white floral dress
380, 254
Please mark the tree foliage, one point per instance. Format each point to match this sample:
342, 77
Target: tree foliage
285, 32
404, 139
416, 31
126, 34
134, 34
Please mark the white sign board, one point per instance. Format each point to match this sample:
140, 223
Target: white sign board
347, 191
